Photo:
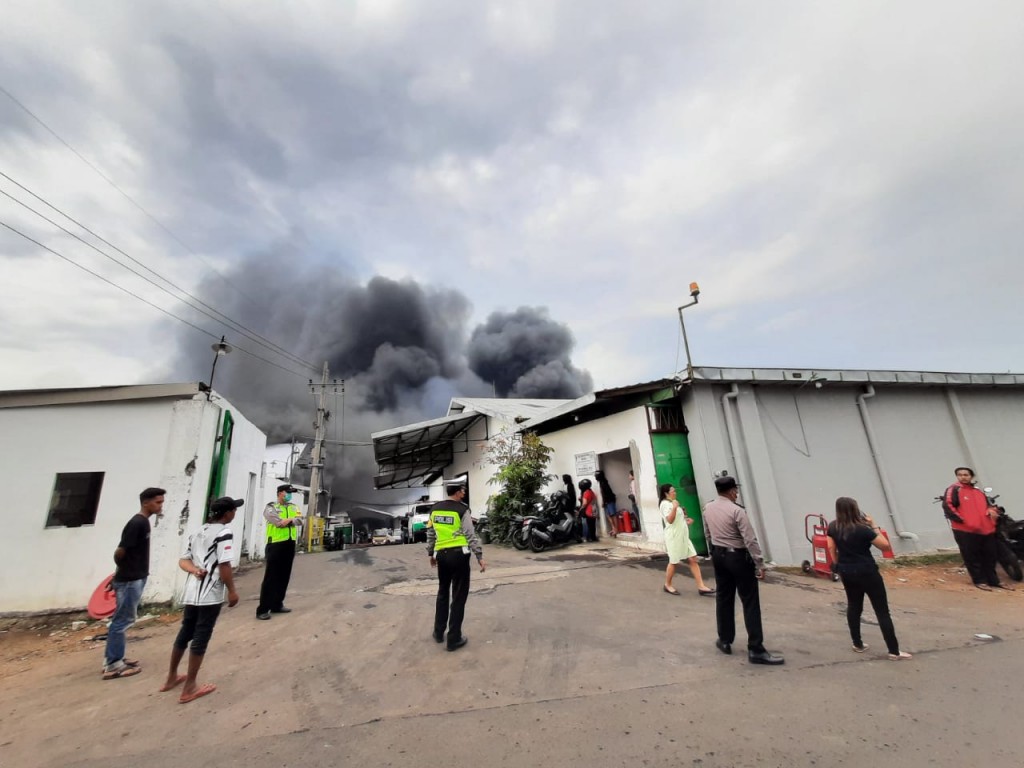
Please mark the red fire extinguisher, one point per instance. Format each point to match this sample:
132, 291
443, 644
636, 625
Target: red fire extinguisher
817, 534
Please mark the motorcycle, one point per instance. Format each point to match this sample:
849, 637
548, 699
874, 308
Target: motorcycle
1009, 539
555, 524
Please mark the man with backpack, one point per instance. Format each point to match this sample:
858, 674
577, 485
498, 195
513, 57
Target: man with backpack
974, 528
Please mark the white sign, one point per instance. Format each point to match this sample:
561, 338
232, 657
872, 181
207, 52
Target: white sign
586, 464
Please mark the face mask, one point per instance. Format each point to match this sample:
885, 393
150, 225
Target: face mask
287, 498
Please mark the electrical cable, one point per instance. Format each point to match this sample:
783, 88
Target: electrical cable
128, 197
234, 325
212, 335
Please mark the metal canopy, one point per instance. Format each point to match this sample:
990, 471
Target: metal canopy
417, 454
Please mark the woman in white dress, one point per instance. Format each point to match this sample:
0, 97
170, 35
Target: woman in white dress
677, 541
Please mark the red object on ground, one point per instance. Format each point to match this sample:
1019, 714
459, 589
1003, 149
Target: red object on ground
103, 602
817, 534
627, 523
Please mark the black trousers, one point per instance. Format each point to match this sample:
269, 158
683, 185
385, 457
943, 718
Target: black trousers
197, 625
452, 591
278, 572
735, 572
868, 581
979, 553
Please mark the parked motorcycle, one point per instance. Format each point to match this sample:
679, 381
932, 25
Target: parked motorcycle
555, 524
1009, 539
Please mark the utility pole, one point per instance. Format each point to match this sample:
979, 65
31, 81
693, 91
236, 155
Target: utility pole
317, 465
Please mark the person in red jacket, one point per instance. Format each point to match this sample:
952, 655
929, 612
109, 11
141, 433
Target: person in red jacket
974, 527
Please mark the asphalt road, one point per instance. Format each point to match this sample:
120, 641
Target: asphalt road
576, 657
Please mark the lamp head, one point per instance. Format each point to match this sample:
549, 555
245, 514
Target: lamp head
694, 290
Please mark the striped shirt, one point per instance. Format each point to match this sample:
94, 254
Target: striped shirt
208, 547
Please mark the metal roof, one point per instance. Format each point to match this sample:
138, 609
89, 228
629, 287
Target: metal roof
26, 398
420, 452
804, 375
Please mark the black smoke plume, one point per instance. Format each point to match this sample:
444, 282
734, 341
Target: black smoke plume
526, 354
396, 350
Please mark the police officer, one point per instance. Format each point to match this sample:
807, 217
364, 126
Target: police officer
450, 539
283, 519
738, 563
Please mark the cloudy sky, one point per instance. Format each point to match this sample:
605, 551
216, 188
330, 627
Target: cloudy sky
844, 180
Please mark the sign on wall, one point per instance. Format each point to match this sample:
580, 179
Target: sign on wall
586, 464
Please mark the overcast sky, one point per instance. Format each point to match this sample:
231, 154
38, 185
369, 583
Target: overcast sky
844, 180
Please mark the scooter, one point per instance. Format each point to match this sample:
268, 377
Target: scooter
1009, 539
556, 524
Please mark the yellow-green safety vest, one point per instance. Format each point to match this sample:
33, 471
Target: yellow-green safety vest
446, 524
275, 534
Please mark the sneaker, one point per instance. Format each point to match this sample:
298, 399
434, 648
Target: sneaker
265, 616
901, 656
860, 648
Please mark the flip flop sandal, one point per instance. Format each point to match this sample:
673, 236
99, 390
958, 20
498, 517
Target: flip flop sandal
178, 681
673, 592
121, 672
201, 691
984, 587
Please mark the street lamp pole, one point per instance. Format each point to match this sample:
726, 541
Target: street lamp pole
694, 294
221, 348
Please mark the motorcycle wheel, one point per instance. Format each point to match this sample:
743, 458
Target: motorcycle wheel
1009, 561
536, 544
521, 538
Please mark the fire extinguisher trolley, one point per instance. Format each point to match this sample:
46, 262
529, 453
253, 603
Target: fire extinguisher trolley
817, 534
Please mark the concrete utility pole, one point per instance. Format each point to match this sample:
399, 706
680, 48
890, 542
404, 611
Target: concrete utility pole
318, 463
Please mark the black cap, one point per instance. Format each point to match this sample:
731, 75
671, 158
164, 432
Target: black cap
726, 484
287, 488
225, 504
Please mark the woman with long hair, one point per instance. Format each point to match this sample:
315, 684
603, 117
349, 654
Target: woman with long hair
850, 538
677, 540
588, 510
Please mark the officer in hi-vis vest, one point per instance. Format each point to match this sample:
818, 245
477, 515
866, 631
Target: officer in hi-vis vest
283, 521
450, 539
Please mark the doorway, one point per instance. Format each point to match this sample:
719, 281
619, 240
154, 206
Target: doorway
674, 464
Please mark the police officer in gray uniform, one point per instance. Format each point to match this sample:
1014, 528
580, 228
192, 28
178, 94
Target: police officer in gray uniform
738, 563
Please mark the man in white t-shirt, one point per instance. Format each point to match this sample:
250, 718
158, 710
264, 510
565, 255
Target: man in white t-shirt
207, 560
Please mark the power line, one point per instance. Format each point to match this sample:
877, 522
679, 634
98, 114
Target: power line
128, 197
144, 300
234, 325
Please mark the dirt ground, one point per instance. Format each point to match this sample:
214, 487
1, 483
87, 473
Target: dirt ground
26, 641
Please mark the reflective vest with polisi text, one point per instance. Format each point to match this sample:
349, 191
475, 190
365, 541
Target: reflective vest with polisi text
446, 524
288, 533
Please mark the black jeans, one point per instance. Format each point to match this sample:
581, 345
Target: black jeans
277, 573
979, 553
452, 591
197, 625
735, 572
868, 581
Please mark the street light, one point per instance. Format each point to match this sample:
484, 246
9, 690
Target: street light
694, 294
221, 348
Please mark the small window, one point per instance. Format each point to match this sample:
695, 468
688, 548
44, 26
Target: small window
76, 497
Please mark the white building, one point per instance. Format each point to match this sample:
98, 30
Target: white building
795, 440
77, 460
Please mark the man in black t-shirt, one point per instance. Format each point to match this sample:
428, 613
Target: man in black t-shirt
132, 559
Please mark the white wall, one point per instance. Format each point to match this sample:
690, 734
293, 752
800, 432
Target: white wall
136, 444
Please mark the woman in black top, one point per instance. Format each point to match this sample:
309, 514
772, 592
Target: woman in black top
570, 491
850, 538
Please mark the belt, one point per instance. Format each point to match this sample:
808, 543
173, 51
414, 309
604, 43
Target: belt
728, 549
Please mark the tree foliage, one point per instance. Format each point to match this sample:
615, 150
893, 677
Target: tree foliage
522, 462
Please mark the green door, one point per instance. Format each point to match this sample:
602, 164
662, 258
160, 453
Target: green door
673, 464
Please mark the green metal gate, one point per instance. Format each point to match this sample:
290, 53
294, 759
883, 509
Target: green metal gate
673, 464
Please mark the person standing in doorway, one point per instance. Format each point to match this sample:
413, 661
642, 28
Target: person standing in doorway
736, 556
570, 491
132, 560
850, 538
973, 521
450, 539
283, 519
608, 499
632, 501
677, 541
207, 561
588, 510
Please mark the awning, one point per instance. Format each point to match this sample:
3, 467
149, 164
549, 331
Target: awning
417, 454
